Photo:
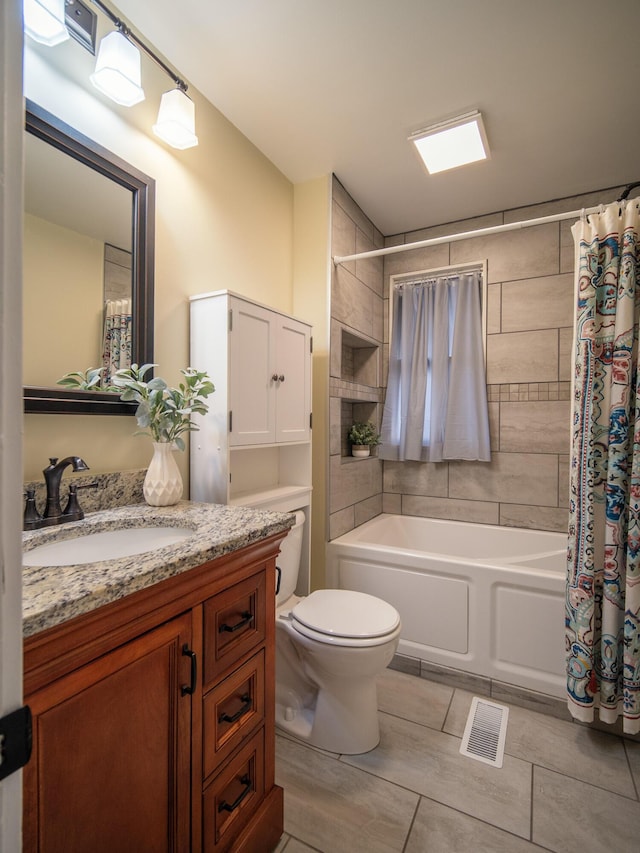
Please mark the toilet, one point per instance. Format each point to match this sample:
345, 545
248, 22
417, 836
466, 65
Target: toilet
330, 647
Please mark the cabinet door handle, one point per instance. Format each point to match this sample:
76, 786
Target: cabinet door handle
247, 702
246, 618
231, 807
189, 689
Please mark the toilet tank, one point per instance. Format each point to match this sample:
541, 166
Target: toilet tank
288, 560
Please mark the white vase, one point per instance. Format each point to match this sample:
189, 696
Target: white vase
360, 450
162, 483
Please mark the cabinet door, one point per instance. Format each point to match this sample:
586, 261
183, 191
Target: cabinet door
111, 764
251, 386
293, 387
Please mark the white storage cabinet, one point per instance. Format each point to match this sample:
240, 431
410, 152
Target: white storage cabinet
253, 447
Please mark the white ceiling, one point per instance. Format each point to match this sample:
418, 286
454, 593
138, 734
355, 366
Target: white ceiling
324, 86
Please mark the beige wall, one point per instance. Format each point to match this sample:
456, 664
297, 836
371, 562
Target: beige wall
529, 336
224, 220
52, 288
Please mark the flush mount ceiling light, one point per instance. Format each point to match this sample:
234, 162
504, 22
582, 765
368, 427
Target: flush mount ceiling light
452, 143
176, 119
44, 21
117, 73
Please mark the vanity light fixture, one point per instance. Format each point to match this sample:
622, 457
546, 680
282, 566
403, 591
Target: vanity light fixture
176, 123
452, 143
117, 73
44, 21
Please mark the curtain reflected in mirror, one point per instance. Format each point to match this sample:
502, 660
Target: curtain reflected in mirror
87, 266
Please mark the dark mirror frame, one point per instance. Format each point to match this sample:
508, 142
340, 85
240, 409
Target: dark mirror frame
51, 129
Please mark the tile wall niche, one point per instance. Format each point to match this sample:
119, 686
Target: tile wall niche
529, 337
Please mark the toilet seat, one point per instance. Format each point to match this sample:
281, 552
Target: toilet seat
345, 618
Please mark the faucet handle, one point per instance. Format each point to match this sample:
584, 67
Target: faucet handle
73, 511
32, 517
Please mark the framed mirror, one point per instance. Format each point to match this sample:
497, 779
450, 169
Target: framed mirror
88, 246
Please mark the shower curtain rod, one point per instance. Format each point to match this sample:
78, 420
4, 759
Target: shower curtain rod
466, 235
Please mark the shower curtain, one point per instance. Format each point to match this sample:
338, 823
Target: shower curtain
603, 565
116, 349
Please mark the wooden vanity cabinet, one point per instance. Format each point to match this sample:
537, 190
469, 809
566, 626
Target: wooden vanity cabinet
154, 718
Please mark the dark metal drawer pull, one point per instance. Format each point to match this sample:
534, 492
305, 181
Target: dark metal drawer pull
247, 703
188, 689
246, 618
231, 807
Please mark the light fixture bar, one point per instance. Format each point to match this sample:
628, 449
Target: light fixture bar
126, 31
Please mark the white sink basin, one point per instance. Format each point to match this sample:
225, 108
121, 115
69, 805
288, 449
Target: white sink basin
106, 545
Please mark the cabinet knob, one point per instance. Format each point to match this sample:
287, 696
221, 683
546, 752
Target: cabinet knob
281, 378
274, 378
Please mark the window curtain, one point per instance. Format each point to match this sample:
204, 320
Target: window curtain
436, 401
116, 349
603, 565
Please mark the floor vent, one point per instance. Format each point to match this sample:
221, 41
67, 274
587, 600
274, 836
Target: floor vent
485, 732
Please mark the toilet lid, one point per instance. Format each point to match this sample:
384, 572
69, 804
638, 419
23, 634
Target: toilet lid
345, 613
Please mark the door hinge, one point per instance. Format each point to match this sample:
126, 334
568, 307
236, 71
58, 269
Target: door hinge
16, 736
230, 421
311, 344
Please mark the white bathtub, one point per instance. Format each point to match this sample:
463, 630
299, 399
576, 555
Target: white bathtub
483, 599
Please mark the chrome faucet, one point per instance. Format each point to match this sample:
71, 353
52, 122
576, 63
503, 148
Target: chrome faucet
52, 477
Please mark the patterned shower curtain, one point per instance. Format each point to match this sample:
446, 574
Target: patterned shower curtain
116, 348
603, 578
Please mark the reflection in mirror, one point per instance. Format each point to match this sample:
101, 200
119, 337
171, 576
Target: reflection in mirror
88, 265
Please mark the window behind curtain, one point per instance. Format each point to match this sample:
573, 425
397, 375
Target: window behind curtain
436, 402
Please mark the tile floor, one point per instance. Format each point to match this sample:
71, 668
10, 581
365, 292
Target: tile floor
562, 787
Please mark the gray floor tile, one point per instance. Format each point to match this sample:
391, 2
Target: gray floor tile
430, 763
339, 809
295, 846
413, 698
633, 753
576, 751
572, 817
439, 829
282, 843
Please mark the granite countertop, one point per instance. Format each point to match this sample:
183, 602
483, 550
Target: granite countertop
51, 595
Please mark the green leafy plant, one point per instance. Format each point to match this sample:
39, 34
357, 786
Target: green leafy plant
164, 413
364, 434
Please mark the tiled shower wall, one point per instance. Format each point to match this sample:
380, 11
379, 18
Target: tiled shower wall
528, 350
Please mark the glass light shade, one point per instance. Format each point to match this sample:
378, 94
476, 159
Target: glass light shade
44, 21
117, 73
451, 144
176, 123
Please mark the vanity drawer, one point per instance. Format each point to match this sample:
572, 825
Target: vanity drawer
234, 624
231, 710
233, 796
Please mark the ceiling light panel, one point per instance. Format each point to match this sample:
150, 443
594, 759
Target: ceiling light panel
453, 143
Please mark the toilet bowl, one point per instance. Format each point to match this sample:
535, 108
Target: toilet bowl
330, 647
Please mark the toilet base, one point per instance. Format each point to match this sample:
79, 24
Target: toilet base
346, 724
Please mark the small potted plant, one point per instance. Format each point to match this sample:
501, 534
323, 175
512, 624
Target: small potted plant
363, 436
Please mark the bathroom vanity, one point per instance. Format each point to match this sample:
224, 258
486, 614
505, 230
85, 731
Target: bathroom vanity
151, 683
